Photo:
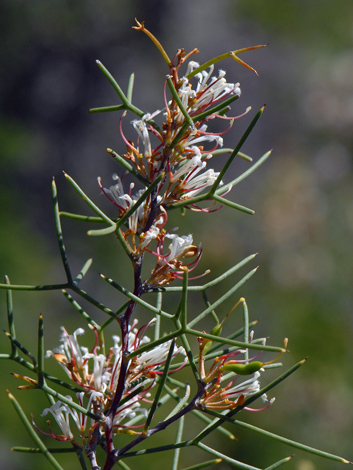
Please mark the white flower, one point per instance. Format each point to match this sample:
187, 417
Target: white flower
209, 89
116, 192
128, 410
247, 388
70, 350
159, 354
148, 236
61, 413
178, 245
125, 201
141, 128
194, 165
100, 374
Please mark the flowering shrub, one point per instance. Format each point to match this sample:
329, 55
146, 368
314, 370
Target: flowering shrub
117, 389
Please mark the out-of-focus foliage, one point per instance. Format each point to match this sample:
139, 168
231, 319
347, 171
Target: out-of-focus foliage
303, 198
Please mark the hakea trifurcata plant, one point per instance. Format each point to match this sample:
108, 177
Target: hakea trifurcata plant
117, 390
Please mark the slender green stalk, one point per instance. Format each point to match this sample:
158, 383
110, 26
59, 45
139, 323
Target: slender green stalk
233, 205
220, 429
221, 299
127, 104
112, 81
164, 448
10, 317
201, 116
32, 433
89, 202
244, 175
206, 464
178, 439
208, 304
138, 300
157, 323
289, 442
35, 288
125, 164
179, 135
225, 458
160, 386
226, 55
191, 358
116, 315
59, 234
279, 463
183, 307
81, 457
83, 271
80, 310
181, 403
82, 218
215, 281
107, 109
178, 101
37, 450
130, 88
40, 352
235, 151
24, 350
246, 327
123, 465
94, 302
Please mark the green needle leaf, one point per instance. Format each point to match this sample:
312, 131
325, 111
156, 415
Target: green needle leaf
206, 464
181, 403
130, 87
233, 205
40, 352
236, 151
81, 311
225, 458
88, 201
32, 433
10, 317
279, 463
296, 445
178, 101
128, 167
59, 233
160, 386
244, 175
178, 439
222, 298
138, 300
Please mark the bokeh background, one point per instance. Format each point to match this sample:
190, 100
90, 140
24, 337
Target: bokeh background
303, 195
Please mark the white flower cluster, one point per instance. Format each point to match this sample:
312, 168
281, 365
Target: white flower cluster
98, 375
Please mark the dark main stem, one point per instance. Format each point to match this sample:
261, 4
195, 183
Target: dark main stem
124, 325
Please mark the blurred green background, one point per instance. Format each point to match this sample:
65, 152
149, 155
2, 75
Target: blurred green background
303, 196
